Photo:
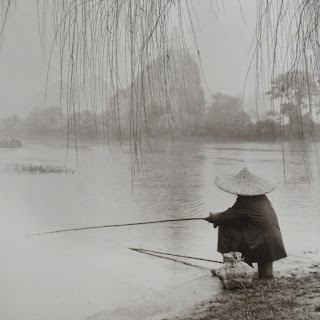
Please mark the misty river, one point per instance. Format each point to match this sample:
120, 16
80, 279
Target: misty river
77, 275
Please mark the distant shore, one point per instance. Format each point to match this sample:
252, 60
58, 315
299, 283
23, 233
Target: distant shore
163, 139
10, 143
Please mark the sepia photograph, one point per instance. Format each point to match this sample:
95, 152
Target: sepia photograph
160, 159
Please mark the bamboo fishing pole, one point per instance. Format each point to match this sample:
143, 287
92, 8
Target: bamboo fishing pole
168, 258
171, 254
114, 226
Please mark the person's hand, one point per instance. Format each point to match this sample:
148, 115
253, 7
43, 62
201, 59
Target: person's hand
210, 218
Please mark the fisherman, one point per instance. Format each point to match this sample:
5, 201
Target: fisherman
250, 226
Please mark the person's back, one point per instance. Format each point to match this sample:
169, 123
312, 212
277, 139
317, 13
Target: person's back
262, 231
251, 224
262, 212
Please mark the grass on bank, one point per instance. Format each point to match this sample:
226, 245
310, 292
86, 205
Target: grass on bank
284, 298
41, 169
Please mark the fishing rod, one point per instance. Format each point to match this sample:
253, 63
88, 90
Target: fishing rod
167, 258
114, 226
174, 255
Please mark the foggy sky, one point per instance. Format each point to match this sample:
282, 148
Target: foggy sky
223, 37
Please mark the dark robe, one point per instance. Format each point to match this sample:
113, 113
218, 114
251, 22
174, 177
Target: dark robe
251, 227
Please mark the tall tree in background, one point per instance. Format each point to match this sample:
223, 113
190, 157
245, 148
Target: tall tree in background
296, 93
43, 121
171, 101
225, 117
287, 49
178, 103
10, 125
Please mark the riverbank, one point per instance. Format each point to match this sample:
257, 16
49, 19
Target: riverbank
293, 294
279, 298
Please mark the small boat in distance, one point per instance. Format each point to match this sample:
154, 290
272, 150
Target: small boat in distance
10, 143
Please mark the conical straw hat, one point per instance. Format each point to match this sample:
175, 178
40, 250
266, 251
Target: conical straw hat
244, 184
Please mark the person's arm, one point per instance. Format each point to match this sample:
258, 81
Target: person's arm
212, 218
237, 213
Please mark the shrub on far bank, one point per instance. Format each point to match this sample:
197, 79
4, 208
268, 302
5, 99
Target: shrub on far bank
41, 169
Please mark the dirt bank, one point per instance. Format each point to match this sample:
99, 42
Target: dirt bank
295, 295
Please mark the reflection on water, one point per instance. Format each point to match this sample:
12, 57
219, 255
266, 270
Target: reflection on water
74, 275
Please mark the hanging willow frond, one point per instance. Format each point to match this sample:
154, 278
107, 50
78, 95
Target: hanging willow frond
5, 6
288, 52
115, 55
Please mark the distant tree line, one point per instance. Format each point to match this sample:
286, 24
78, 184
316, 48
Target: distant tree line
52, 122
290, 116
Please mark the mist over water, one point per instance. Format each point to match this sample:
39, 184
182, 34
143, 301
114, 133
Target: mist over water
77, 274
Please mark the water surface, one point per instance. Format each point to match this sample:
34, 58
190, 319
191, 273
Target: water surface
78, 274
